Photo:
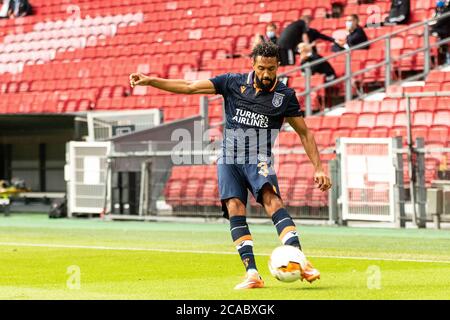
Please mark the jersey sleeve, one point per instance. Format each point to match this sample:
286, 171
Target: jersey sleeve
293, 108
221, 83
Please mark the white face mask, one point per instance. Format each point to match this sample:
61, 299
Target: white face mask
348, 24
270, 34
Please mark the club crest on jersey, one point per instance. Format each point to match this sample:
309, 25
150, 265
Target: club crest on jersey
277, 100
243, 89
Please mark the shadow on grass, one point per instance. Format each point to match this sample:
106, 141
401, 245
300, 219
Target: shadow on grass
299, 288
316, 288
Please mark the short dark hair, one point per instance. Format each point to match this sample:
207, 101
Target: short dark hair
271, 24
355, 17
307, 17
266, 49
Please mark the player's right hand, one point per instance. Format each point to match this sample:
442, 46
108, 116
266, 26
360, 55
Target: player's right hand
322, 180
138, 79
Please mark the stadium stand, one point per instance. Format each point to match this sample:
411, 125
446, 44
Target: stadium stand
94, 45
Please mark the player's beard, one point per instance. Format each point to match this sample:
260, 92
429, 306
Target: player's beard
262, 86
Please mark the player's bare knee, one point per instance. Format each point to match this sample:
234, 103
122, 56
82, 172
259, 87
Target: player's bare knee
274, 204
271, 201
235, 207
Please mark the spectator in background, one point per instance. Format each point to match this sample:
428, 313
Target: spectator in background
441, 29
289, 39
314, 34
270, 36
19, 8
337, 8
307, 54
399, 13
355, 36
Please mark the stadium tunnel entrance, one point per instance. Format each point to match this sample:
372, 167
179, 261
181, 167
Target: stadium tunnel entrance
33, 148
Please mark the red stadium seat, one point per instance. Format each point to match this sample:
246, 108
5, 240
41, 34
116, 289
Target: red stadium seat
425, 4
323, 138
419, 132
348, 121
379, 132
400, 119
355, 106
389, 105
287, 170
427, 104
436, 76
413, 89
340, 133
360, 133
384, 120
366, 120
314, 123
397, 43
423, 118
330, 122
443, 103
371, 106
398, 131
403, 104
438, 133
441, 117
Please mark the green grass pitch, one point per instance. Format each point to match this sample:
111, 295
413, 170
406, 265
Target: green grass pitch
40, 259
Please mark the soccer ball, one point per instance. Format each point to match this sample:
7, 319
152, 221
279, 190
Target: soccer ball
286, 262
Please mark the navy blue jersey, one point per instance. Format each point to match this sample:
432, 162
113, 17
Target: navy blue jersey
253, 116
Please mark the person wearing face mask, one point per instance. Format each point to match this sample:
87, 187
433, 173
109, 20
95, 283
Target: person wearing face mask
441, 28
399, 13
307, 54
355, 36
270, 36
271, 33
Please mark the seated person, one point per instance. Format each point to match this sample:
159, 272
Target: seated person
355, 36
307, 54
399, 13
441, 28
270, 36
337, 8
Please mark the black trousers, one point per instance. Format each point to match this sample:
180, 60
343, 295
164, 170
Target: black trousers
287, 57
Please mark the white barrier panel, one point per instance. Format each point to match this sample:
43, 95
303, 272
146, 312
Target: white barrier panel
86, 174
368, 178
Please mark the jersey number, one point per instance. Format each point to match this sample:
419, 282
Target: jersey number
263, 169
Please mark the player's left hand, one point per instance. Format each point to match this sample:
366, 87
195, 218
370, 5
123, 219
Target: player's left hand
322, 180
138, 79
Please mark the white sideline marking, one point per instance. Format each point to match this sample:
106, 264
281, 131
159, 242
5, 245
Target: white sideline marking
68, 246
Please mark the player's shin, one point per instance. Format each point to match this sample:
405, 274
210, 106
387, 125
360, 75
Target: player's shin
243, 241
286, 229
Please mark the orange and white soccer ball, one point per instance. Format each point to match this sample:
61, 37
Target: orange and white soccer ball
286, 263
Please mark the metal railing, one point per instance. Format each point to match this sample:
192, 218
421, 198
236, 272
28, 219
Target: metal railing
347, 79
417, 150
388, 63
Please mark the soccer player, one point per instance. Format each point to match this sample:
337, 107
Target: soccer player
256, 105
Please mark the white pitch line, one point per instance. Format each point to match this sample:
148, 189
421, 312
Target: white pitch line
68, 246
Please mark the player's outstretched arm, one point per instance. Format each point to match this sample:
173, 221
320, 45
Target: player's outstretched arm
173, 85
309, 143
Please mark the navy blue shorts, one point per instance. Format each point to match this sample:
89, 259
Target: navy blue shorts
236, 179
